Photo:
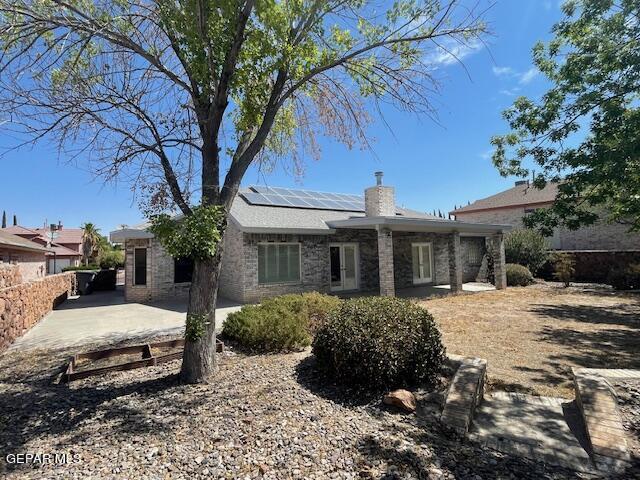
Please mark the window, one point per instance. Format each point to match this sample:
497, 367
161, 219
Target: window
474, 253
530, 210
278, 262
140, 266
182, 270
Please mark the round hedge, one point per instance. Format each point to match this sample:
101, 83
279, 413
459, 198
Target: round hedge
379, 342
518, 275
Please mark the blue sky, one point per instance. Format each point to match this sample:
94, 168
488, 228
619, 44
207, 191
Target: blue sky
431, 165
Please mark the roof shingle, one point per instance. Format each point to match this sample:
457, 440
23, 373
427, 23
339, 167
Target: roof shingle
524, 194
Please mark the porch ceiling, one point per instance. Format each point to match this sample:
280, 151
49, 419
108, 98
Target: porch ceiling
407, 224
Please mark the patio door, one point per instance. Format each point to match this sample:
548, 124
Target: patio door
344, 266
422, 263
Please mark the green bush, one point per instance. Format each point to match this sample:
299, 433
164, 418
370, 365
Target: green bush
379, 342
625, 278
280, 323
112, 259
518, 275
526, 247
81, 267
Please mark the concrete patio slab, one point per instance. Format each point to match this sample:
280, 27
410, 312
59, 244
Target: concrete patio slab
104, 317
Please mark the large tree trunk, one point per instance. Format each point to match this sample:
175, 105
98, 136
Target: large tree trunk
199, 358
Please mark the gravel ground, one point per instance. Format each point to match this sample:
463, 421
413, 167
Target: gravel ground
628, 393
266, 416
532, 336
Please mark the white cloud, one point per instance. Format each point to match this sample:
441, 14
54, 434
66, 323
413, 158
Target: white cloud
450, 52
529, 75
503, 71
510, 92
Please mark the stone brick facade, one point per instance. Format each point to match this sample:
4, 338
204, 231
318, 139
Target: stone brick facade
455, 262
385, 263
601, 236
379, 201
23, 305
31, 265
9, 275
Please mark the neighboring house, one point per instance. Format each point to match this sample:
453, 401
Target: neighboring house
285, 241
29, 257
510, 207
65, 244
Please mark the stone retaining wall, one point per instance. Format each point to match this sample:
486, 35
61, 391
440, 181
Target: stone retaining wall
21, 306
9, 275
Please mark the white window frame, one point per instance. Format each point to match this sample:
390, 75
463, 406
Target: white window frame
420, 281
133, 280
291, 282
341, 245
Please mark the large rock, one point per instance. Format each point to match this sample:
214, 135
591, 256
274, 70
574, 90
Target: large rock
402, 399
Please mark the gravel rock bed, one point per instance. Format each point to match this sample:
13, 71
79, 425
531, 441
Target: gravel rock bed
628, 393
264, 416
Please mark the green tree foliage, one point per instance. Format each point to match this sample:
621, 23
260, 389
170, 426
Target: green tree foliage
182, 96
4, 219
584, 133
526, 247
15, 220
91, 240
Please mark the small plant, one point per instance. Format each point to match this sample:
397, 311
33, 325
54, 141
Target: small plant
81, 267
625, 278
379, 342
564, 268
518, 275
526, 247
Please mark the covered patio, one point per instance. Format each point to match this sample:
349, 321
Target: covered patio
396, 233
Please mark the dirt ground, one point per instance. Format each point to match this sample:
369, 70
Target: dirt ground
532, 336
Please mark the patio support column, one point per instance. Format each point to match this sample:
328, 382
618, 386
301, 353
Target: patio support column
385, 263
497, 253
455, 263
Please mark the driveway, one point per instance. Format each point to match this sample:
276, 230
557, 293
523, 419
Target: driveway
104, 317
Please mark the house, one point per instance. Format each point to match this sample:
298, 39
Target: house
510, 206
286, 241
23, 256
64, 244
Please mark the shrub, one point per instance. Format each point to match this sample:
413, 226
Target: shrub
526, 247
379, 342
518, 275
280, 323
81, 267
272, 328
564, 268
625, 278
112, 259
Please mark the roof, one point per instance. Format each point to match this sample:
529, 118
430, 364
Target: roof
409, 224
60, 250
252, 218
519, 195
19, 230
19, 243
63, 236
274, 219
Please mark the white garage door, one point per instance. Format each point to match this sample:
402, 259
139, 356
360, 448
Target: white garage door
60, 263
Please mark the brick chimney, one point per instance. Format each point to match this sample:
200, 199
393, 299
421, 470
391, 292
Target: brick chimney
379, 201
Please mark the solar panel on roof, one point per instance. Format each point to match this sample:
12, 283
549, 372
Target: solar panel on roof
286, 197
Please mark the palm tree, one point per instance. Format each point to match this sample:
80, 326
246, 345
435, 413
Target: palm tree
90, 241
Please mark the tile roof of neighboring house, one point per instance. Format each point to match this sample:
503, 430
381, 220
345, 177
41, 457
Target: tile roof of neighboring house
18, 230
60, 250
523, 194
19, 243
66, 235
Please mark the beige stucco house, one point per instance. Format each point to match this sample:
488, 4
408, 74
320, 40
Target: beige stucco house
510, 206
280, 241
